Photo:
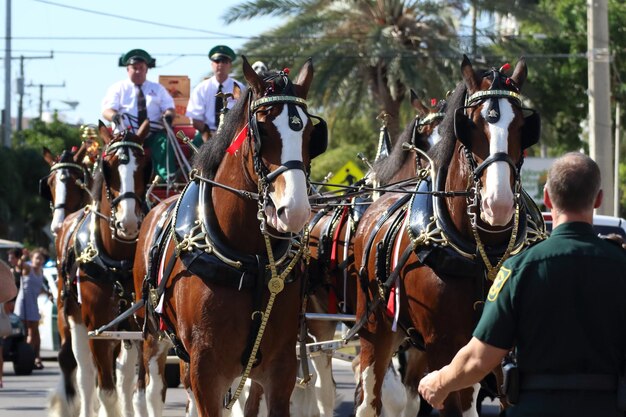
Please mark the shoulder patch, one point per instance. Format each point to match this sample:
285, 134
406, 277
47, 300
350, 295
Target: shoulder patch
498, 283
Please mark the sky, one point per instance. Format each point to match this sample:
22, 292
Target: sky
88, 37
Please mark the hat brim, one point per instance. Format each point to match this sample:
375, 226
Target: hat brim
217, 56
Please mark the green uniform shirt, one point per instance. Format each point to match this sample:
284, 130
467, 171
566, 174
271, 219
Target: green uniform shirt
562, 303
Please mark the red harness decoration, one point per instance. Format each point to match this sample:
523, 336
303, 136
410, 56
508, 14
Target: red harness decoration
334, 258
236, 143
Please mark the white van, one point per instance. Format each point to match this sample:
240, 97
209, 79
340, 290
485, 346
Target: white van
603, 225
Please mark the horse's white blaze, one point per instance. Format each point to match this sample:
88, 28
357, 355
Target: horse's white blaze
294, 201
368, 379
60, 197
434, 137
126, 377
497, 196
126, 216
472, 411
155, 382
86, 369
393, 394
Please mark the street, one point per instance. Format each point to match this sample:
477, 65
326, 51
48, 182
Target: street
26, 396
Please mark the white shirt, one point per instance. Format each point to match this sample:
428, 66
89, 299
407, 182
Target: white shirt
122, 97
201, 104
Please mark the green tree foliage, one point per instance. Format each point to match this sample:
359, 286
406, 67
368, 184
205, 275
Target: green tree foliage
24, 215
364, 51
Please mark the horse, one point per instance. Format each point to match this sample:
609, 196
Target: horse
334, 283
204, 259
425, 260
62, 186
95, 248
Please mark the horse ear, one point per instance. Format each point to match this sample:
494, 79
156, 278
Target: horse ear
417, 104
305, 77
47, 155
469, 76
80, 153
104, 132
520, 73
144, 129
253, 79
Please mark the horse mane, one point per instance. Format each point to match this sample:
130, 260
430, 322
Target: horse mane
387, 167
212, 152
442, 152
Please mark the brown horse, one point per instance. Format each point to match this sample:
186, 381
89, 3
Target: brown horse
203, 263
61, 187
334, 279
424, 261
95, 248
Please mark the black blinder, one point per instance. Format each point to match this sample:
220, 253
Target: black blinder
462, 127
318, 142
531, 131
44, 189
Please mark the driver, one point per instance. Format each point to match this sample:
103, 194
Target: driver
129, 102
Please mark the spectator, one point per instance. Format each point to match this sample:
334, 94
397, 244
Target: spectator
26, 307
205, 106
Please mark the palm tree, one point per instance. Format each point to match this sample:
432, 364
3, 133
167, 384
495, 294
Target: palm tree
364, 51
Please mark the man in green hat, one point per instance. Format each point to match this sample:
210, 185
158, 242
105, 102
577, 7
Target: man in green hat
205, 105
129, 102
561, 305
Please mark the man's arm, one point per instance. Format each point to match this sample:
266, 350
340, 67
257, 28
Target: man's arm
470, 365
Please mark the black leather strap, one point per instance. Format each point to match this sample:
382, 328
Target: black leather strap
587, 382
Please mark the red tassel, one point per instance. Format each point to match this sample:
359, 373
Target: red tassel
433, 102
236, 144
74, 149
505, 67
286, 71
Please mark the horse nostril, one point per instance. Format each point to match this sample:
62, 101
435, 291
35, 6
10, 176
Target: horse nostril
280, 212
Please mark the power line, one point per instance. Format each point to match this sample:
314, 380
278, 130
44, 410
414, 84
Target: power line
132, 19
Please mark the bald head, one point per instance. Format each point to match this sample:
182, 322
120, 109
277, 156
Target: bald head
574, 183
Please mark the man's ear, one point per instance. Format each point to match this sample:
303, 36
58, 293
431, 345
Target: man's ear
599, 198
546, 198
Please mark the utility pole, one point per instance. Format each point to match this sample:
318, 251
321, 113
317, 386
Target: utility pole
598, 72
41, 87
618, 116
20, 86
6, 131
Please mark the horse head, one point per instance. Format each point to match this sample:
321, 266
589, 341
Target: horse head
494, 133
125, 173
284, 140
427, 119
62, 186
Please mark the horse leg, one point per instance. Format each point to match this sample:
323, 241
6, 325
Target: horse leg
254, 401
139, 400
125, 365
460, 403
63, 400
415, 368
325, 388
208, 392
376, 352
191, 409
104, 357
155, 355
86, 369
393, 395
279, 385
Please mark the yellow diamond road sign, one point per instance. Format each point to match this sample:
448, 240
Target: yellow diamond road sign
346, 175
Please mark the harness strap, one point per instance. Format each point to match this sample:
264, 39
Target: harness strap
378, 298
